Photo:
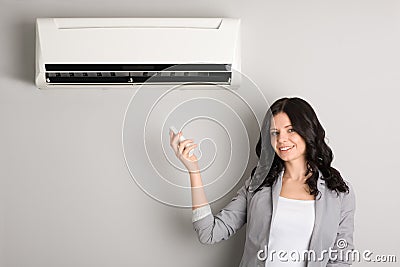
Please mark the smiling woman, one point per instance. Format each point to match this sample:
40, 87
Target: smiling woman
300, 204
298, 139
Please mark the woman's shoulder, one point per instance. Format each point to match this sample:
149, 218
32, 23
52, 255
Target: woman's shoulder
350, 193
348, 198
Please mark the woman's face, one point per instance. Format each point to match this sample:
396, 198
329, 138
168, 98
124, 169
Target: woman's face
288, 144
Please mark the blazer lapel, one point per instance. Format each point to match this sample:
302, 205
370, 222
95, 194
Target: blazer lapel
315, 242
266, 214
276, 191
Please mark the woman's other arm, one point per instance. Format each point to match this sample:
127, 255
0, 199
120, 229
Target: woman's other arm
344, 240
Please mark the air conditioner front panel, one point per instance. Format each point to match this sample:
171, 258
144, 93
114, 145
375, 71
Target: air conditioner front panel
134, 41
148, 44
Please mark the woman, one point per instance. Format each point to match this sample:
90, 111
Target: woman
298, 210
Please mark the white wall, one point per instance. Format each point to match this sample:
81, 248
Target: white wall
66, 195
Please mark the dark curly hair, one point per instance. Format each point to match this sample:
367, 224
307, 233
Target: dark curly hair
319, 155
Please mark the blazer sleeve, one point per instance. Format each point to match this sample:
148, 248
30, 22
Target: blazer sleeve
214, 228
344, 239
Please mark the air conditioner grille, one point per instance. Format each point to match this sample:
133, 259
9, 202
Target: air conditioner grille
137, 73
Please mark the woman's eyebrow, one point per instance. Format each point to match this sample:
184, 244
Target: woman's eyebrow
284, 127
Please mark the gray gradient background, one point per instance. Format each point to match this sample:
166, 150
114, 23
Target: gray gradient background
66, 195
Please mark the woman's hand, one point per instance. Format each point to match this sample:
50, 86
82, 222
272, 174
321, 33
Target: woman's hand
182, 150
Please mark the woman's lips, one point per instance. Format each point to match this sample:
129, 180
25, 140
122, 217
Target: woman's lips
285, 149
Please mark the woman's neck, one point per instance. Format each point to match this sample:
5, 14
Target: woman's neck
295, 169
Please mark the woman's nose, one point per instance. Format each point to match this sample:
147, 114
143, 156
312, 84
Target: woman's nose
282, 137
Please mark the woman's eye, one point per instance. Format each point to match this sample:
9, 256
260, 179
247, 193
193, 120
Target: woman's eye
274, 133
291, 130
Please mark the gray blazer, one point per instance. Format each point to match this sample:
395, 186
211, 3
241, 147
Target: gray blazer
334, 221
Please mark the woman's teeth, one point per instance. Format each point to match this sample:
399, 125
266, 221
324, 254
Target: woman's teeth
286, 148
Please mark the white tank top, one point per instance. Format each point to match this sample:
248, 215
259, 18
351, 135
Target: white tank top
290, 232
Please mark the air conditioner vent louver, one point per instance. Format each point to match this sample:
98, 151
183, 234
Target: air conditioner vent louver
104, 74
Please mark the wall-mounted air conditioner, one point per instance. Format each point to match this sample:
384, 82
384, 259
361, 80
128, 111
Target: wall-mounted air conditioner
122, 52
